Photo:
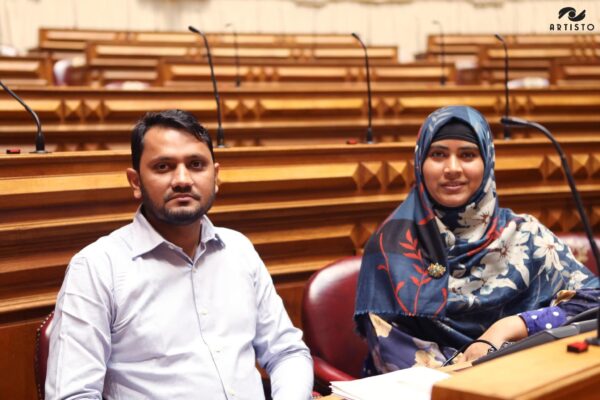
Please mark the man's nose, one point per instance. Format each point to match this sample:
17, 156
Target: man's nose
181, 177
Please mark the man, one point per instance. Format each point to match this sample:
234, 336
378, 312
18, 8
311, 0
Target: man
170, 306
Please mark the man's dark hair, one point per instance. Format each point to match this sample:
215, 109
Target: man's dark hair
177, 119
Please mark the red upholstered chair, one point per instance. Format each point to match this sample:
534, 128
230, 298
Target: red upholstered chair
327, 318
580, 246
42, 345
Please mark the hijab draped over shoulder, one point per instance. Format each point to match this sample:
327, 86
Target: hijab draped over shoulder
461, 269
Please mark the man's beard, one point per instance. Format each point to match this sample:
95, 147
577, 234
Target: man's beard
178, 217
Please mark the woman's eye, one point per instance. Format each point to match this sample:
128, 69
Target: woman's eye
436, 154
469, 155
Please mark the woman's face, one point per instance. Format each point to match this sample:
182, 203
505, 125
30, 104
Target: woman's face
453, 171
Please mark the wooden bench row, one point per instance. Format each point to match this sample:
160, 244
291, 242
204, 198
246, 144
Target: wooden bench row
181, 72
489, 39
553, 72
26, 71
56, 39
484, 47
301, 114
96, 52
551, 57
169, 72
177, 72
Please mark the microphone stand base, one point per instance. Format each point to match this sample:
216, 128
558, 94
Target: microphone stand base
40, 152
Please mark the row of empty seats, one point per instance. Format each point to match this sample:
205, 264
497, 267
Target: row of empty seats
173, 72
557, 58
168, 58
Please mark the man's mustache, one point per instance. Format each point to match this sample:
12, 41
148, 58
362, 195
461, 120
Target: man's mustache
181, 193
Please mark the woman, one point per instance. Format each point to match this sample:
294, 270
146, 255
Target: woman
449, 265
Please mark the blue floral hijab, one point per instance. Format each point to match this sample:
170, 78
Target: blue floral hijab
461, 268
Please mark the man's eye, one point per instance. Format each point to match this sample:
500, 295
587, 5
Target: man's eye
196, 164
161, 167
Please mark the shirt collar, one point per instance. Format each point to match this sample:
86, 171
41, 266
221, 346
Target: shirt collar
145, 238
209, 232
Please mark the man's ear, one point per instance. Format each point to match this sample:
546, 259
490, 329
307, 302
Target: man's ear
217, 165
134, 181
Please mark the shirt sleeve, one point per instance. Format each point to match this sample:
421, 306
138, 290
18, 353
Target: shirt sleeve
566, 304
278, 344
543, 318
80, 340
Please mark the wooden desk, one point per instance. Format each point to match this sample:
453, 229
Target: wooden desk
544, 372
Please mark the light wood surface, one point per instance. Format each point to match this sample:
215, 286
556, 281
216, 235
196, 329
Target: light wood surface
544, 372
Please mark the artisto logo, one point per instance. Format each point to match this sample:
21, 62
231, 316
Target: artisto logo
571, 13
573, 26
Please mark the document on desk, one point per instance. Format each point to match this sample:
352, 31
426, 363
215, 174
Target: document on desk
411, 384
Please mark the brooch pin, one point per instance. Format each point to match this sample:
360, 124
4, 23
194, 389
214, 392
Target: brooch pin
436, 270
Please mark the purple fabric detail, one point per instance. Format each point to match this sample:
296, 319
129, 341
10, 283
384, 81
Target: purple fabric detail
543, 318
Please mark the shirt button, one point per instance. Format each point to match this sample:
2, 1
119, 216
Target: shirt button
204, 312
232, 393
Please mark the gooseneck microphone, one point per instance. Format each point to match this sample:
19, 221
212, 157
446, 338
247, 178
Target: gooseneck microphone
238, 80
578, 203
220, 136
40, 141
443, 53
596, 341
506, 102
369, 138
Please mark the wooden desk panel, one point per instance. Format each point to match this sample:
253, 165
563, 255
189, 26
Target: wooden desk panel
268, 114
545, 372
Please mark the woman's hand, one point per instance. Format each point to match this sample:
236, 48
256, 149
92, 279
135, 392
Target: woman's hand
507, 329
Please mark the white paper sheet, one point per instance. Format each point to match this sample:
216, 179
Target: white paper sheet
411, 384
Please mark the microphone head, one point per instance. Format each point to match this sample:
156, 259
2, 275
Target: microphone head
356, 35
191, 28
499, 37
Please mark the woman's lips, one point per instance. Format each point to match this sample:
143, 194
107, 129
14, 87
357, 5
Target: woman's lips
453, 186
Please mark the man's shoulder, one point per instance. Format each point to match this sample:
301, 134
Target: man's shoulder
116, 242
232, 237
236, 242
